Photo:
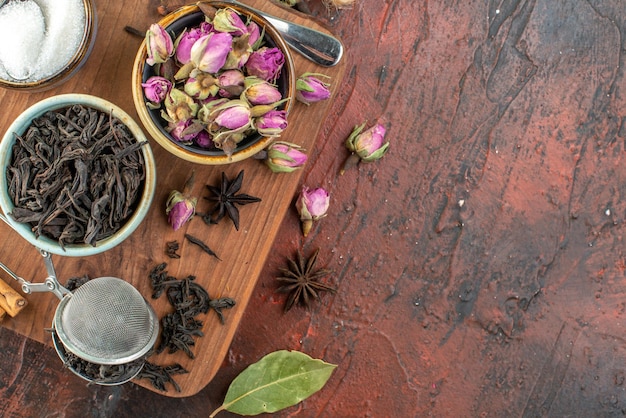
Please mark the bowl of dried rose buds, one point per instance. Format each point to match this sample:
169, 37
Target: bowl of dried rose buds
213, 83
78, 175
43, 43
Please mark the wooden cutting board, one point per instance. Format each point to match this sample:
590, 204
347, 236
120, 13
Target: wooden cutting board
107, 74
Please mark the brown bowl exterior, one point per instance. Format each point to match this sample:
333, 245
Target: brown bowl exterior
163, 137
77, 61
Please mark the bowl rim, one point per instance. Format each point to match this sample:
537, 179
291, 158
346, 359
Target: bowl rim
165, 141
73, 65
19, 126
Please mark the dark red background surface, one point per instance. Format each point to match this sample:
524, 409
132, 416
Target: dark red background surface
480, 264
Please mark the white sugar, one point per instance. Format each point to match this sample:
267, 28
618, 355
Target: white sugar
20, 38
63, 24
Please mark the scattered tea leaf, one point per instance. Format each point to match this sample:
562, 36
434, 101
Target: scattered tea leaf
202, 245
279, 380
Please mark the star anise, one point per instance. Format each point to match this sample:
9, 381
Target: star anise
227, 198
300, 280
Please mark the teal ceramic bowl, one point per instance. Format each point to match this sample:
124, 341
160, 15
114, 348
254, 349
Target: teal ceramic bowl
19, 127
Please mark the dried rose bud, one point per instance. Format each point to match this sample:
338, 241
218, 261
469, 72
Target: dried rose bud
310, 89
201, 85
239, 53
266, 63
227, 141
365, 146
179, 106
283, 157
156, 89
209, 53
231, 83
184, 131
272, 123
185, 41
255, 37
180, 207
232, 115
204, 140
228, 20
260, 92
205, 114
369, 145
312, 205
159, 45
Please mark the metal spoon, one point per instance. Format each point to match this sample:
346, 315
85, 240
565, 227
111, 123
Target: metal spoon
319, 47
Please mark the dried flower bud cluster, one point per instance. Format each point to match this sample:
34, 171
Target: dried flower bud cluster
215, 83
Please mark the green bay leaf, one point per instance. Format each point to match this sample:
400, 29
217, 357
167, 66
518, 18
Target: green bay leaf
279, 380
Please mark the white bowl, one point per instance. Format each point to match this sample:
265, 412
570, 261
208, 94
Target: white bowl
19, 126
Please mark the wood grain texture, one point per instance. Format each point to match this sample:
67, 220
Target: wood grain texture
480, 265
107, 74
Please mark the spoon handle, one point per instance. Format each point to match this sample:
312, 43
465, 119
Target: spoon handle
319, 47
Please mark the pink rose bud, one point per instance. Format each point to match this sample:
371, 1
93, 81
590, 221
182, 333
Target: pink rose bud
369, 145
159, 45
255, 35
228, 20
365, 146
312, 205
186, 40
272, 123
231, 83
156, 89
232, 115
209, 53
204, 140
260, 92
180, 207
266, 63
283, 157
310, 89
184, 131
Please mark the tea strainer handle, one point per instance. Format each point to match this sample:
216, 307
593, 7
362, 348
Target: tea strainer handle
50, 284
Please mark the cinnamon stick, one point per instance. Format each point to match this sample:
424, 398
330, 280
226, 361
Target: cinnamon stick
10, 300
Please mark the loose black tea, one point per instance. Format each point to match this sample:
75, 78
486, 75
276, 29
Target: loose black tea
159, 279
74, 283
103, 374
180, 328
172, 248
75, 175
159, 376
204, 247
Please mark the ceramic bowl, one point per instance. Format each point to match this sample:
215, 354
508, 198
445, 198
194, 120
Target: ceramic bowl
19, 127
66, 71
174, 23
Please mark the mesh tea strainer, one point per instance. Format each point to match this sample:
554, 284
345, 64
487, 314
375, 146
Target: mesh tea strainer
106, 321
